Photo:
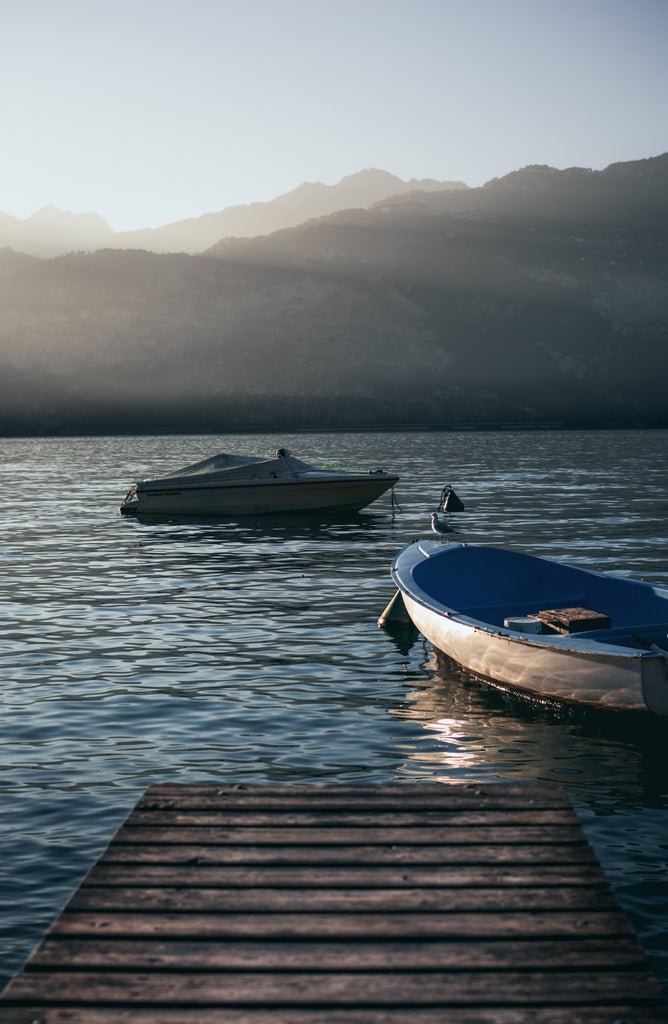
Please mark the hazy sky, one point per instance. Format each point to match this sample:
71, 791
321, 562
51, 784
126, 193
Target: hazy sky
150, 111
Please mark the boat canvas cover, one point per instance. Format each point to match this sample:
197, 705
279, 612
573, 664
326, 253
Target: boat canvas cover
222, 468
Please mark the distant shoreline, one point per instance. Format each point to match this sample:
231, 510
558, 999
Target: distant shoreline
455, 428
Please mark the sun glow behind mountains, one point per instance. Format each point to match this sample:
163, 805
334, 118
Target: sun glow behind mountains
153, 112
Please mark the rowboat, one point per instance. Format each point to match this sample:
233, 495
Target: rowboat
547, 630
230, 485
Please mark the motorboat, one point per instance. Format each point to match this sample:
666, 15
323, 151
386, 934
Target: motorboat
548, 630
231, 485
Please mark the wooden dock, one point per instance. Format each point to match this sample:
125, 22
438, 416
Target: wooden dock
388, 904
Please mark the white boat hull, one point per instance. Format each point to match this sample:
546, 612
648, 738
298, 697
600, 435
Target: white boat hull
464, 599
261, 497
610, 680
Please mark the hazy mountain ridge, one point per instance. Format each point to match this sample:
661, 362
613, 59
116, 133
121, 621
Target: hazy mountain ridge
540, 297
309, 200
53, 232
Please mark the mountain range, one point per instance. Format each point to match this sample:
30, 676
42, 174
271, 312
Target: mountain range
53, 232
539, 299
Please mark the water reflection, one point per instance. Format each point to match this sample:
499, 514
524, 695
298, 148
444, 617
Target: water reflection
136, 651
287, 525
612, 765
487, 732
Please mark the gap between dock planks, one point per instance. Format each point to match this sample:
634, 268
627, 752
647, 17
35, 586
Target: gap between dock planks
338, 904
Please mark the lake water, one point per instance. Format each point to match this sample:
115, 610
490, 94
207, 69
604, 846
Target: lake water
137, 652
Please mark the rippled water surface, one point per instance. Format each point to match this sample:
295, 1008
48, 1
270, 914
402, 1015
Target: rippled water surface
138, 652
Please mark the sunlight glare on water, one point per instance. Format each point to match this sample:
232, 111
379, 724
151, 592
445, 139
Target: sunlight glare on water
137, 652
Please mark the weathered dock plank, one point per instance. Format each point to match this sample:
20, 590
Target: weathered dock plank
197, 818
343, 926
484, 853
338, 988
376, 876
131, 954
268, 901
327, 835
342, 905
295, 1015
389, 796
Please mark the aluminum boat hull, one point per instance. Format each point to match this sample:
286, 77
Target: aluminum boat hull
459, 597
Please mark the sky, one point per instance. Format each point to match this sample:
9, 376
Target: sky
151, 111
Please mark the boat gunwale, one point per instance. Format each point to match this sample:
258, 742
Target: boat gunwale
589, 642
174, 484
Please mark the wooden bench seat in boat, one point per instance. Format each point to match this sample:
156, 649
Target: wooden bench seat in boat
495, 614
572, 619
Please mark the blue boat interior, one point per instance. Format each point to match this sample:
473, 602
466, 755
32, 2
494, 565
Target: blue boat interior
492, 584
